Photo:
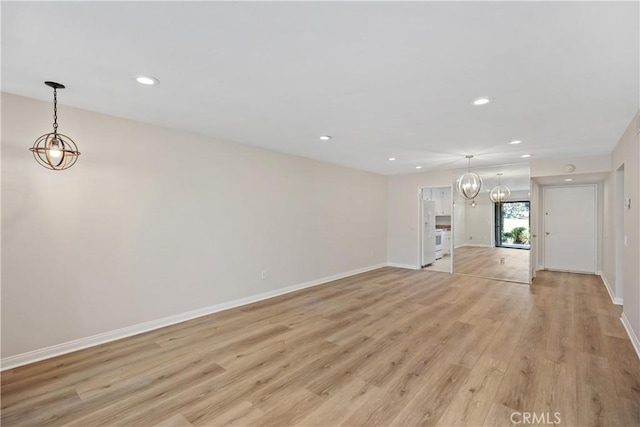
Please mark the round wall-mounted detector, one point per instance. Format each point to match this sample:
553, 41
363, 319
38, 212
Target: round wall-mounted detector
568, 168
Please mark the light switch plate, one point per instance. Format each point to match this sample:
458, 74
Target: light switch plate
627, 202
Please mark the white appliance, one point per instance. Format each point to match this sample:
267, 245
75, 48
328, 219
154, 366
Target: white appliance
428, 232
438, 244
446, 242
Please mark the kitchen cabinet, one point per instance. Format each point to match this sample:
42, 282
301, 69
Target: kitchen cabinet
442, 197
446, 201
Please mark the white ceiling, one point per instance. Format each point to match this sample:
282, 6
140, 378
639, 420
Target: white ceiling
384, 78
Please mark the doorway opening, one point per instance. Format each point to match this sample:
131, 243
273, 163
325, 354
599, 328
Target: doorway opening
435, 229
512, 225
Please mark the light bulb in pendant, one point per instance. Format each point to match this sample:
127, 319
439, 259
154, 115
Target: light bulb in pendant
55, 150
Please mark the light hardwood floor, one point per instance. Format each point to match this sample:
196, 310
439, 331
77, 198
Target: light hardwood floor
442, 265
388, 347
485, 262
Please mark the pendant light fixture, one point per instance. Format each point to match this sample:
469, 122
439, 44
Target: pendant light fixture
500, 193
54, 150
469, 184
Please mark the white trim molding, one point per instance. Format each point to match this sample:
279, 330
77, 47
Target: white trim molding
408, 266
473, 245
616, 301
94, 340
632, 336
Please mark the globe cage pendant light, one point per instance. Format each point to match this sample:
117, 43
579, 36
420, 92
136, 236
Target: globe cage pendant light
54, 150
500, 193
469, 184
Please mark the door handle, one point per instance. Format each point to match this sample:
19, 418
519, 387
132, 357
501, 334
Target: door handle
547, 233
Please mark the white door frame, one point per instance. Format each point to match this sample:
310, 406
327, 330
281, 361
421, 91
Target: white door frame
618, 212
534, 195
420, 226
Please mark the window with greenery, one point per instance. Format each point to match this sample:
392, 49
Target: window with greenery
512, 224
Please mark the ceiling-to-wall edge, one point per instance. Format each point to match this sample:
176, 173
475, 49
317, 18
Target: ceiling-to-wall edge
582, 165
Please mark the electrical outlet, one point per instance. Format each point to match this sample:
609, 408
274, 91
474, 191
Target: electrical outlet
263, 275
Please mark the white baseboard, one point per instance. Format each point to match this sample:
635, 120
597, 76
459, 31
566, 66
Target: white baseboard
82, 343
473, 245
616, 301
632, 336
409, 266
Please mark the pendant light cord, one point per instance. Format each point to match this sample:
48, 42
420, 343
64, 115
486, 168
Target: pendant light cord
55, 111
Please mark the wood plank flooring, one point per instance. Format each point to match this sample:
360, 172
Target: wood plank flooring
388, 347
485, 262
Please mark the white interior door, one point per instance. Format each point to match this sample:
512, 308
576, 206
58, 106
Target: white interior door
570, 228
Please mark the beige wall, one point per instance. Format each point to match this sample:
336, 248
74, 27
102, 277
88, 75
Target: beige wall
626, 154
153, 222
478, 222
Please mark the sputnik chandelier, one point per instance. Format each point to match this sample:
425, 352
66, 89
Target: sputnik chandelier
469, 184
500, 193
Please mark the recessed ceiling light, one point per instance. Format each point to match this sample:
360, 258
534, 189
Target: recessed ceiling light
392, 159
482, 101
517, 141
418, 167
526, 155
569, 179
326, 137
147, 80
